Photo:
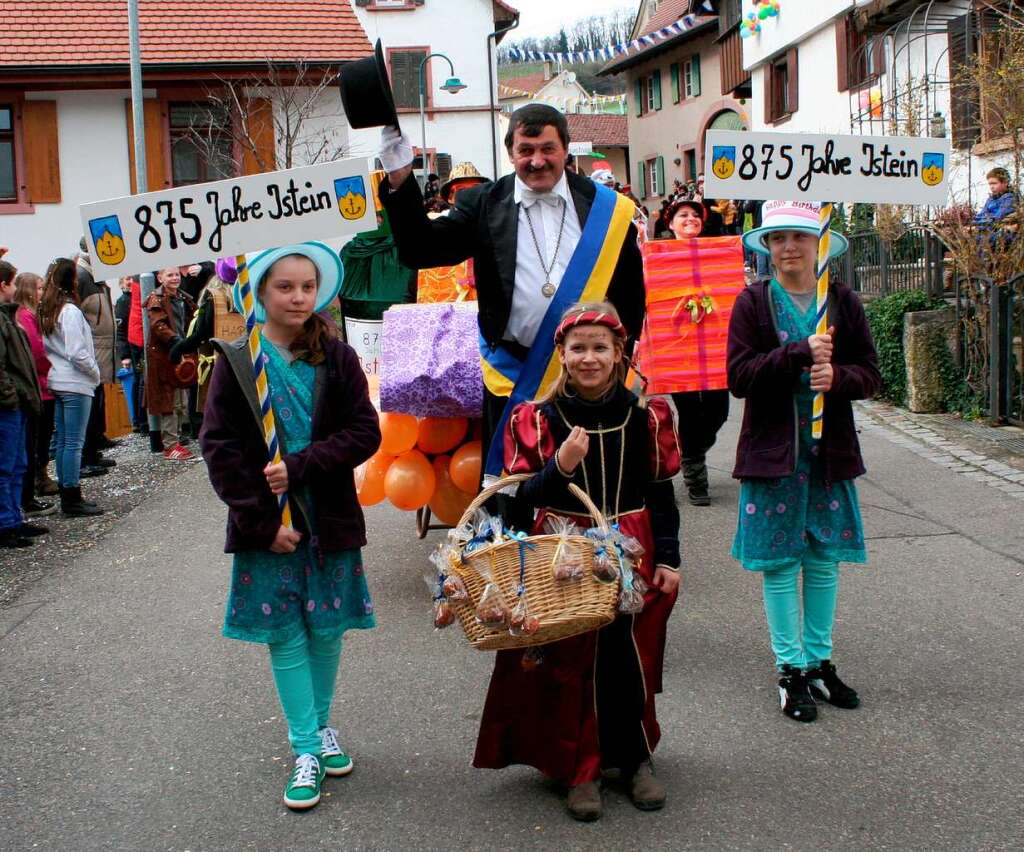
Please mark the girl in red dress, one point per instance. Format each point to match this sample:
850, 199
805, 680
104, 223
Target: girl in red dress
589, 703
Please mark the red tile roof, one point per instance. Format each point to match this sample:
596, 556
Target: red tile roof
599, 129
668, 12
530, 83
179, 32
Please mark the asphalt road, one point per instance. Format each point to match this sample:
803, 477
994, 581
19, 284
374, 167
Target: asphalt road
127, 722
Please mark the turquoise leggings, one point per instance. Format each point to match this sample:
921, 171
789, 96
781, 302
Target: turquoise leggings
305, 669
803, 648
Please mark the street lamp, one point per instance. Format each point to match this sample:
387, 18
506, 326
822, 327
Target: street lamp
452, 85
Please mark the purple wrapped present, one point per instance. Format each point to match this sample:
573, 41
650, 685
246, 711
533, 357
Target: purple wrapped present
430, 360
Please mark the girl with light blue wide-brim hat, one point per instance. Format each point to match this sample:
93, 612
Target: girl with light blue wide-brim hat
330, 273
790, 216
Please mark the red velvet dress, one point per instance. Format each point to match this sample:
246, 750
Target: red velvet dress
589, 704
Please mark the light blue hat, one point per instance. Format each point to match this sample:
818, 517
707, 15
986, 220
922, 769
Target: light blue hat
790, 216
332, 273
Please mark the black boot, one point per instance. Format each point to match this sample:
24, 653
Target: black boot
826, 685
795, 697
11, 539
695, 475
156, 442
72, 504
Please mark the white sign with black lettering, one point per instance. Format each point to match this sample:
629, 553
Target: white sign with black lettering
174, 227
823, 167
364, 337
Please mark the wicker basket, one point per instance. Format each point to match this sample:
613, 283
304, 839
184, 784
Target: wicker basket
565, 608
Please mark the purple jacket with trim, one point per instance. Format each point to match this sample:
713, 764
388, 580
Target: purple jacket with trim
764, 372
346, 432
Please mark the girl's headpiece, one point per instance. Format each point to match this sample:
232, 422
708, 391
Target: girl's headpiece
589, 318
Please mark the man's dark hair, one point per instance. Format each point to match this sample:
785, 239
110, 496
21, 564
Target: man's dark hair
7, 272
533, 118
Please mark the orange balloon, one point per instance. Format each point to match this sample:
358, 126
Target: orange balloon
409, 481
398, 433
447, 502
370, 479
441, 434
465, 467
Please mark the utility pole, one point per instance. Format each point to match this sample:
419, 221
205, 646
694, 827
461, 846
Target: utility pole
146, 282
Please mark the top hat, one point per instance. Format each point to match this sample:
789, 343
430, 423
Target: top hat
790, 216
462, 172
366, 92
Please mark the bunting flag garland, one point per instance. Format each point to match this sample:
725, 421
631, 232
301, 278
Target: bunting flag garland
609, 52
565, 103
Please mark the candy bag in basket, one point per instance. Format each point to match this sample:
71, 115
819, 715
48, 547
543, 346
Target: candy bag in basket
444, 615
567, 563
606, 569
492, 610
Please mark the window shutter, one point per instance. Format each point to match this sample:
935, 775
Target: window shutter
641, 170
964, 109
842, 59
656, 80
769, 106
405, 78
673, 71
155, 123
695, 74
42, 151
258, 128
794, 83
640, 96
659, 175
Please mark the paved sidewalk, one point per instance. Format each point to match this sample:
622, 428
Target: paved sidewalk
127, 723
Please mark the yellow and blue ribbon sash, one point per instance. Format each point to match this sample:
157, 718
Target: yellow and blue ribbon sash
586, 279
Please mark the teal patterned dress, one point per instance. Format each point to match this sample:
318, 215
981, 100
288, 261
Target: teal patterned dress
781, 520
275, 596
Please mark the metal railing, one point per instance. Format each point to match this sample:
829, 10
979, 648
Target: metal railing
875, 267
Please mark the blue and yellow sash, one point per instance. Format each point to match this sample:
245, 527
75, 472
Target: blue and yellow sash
586, 279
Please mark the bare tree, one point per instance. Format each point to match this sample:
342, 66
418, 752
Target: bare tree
277, 118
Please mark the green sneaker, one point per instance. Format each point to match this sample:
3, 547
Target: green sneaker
303, 790
335, 761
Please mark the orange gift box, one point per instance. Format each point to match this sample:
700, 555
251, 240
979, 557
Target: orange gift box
692, 286
446, 284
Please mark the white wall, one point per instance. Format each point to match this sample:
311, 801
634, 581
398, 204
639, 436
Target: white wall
462, 37
796, 20
822, 108
93, 140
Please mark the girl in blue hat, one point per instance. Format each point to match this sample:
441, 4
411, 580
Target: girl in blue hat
297, 590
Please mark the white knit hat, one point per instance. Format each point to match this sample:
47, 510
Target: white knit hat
790, 216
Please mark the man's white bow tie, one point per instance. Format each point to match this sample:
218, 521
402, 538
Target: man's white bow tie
531, 197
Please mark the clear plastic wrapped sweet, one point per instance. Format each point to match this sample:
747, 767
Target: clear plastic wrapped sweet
567, 562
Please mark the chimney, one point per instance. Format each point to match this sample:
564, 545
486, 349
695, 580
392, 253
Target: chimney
547, 71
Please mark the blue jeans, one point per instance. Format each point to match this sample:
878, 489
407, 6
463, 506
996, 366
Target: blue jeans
71, 417
12, 467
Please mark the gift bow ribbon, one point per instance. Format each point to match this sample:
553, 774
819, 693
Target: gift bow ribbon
698, 307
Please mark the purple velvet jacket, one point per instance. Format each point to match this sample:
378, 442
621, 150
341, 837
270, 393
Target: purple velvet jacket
764, 372
346, 432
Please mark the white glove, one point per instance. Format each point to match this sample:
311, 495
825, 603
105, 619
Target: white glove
395, 149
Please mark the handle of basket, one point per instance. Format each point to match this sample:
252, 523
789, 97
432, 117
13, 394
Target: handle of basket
515, 479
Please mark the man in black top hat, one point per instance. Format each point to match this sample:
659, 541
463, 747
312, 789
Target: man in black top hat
520, 230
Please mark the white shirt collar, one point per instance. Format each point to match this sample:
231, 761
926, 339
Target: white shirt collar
560, 189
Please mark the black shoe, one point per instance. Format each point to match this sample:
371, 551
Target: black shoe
28, 530
37, 508
11, 539
71, 503
140, 428
99, 461
90, 470
184, 441
108, 443
156, 443
826, 685
795, 697
695, 475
